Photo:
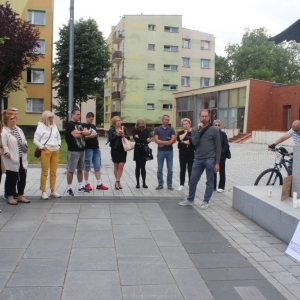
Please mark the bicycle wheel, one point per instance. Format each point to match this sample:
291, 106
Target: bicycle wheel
269, 177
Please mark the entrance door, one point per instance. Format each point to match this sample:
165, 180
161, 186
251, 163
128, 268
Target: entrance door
241, 118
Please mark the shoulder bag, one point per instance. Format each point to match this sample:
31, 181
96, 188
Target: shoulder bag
38, 151
127, 145
24, 146
147, 152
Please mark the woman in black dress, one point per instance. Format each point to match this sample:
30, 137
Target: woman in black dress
141, 136
186, 150
118, 155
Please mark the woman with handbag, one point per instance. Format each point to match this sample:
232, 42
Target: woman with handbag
225, 147
47, 139
118, 154
141, 136
14, 158
186, 151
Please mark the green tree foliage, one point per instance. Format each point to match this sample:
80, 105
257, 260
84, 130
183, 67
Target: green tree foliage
258, 58
91, 62
17, 43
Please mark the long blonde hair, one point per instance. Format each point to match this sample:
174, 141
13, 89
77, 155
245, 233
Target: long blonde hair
45, 117
138, 122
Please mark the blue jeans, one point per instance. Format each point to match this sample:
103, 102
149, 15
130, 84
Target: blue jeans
161, 156
94, 156
197, 170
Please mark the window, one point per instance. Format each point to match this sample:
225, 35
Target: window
204, 82
37, 17
41, 49
151, 46
171, 29
35, 76
171, 48
107, 109
151, 66
205, 63
167, 106
151, 27
170, 87
150, 86
170, 68
186, 62
35, 105
150, 105
185, 81
205, 45
185, 43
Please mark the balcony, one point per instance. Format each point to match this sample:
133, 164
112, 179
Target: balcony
117, 57
116, 96
116, 78
117, 38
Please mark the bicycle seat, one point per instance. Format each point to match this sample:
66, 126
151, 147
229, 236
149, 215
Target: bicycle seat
283, 151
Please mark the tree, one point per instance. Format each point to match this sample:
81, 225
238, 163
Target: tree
258, 58
91, 63
17, 49
223, 71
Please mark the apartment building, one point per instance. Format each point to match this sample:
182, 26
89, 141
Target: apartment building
153, 56
36, 93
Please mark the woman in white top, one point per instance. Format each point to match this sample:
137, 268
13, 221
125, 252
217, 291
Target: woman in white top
47, 138
14, 157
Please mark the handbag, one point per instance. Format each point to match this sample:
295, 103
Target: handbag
127, 145
24, 146
228, 154
38, 151
147, 153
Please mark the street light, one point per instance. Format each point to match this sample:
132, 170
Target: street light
81, 68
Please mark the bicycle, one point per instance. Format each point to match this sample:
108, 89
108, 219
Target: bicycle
273, 175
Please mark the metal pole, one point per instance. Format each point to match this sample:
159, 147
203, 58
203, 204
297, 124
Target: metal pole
71, 60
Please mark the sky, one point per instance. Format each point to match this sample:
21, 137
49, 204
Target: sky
226, 20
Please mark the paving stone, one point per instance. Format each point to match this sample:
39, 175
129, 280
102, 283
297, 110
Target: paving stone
62, 208
158, 224
209, 248
285, 261
9, 258
200, 237
87, 285
285, 278
4, 276
295, 270
61, 219
272, 251
294, 289
94, 213
127, 219
272, 266
200, 225
124, 209
55, 231
22, 225
131, 232
15, 239
176, 257
260, 256
144, 270
93, 239
166, 238
30, 214
250, 248
137, 248
93, 224
32, 293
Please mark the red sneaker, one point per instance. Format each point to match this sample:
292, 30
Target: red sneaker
102, 187
88, 187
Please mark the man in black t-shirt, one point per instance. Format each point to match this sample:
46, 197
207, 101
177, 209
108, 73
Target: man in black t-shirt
92, 154
75, 134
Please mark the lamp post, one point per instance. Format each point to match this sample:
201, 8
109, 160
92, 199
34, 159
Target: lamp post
80, 94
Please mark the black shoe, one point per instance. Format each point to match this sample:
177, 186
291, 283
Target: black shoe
145, 186
137, 186
160, 187
170, 188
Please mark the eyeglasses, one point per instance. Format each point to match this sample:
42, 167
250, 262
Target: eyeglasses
141, 127
217, 124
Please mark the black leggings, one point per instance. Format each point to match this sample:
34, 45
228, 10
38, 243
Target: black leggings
185, 159
140, 169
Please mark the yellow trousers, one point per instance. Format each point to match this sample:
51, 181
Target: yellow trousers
49, 159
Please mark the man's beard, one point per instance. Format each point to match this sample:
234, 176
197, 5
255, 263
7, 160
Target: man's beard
204, 122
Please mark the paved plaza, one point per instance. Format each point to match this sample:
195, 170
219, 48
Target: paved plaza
139, 243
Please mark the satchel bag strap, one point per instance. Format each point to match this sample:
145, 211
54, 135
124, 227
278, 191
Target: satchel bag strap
48, 137
14, 135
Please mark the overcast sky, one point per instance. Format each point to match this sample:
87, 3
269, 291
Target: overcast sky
226, 20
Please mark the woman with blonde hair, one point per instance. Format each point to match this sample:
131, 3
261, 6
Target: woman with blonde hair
14, 158
118, 154
141, 136
47, 138
186, 150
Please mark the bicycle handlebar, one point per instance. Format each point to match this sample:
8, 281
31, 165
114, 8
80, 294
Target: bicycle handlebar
282, 151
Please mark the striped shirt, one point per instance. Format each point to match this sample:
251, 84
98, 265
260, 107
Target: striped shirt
19, 139
295, 136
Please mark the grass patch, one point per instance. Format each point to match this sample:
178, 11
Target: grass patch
63, 153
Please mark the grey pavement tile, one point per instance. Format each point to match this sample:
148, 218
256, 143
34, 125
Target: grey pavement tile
27, 214
9, 259
32, 293
253, 237
285, 278
166, 238
87, 285
219, 260
124, 209
289, 296
263, 233
127, 219
15, 239
4, 276
250, 248
277, 285
144, 270
226, 289
56, 231
152, 292
244, 253
63, 208
209, 248
93, 239
49, 248
39, 272
187, 215
93, 259
200, 225
93, 224
131, 232
240, 239
61, 219
200, 237
272, 239
272, 251
40, 204
294, 289
176, 257
285, 261
191, 284
261, 243
95, 213
137, 248
295, 270
260, 256
158, 224
22, 225
281, 246
94, 205
272, 266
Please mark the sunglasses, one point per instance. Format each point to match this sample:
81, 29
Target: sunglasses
141, 127
217, 124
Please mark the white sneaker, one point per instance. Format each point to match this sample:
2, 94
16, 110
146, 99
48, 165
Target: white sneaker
44, 196
220, 190
180, 188
204, 205
186, 202
55, 195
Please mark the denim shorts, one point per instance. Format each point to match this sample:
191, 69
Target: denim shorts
92, 156
75, 161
